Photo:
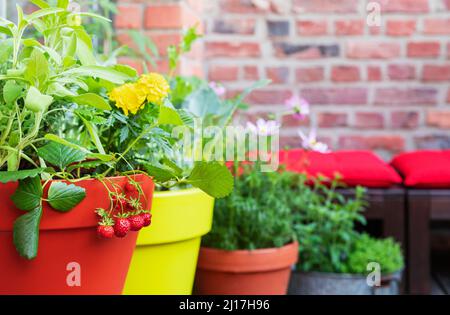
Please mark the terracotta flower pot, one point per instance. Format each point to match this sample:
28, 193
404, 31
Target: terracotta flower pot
245, 272
69, 249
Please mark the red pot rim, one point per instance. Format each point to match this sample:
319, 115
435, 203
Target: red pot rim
82, 216
247, 261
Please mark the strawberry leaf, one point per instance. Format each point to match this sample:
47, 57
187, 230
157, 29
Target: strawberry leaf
26, 233
63, 197
213, 178
60, 155
28, 194
12, 176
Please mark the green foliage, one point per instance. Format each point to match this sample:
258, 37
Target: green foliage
6, 177
175, 52
26, 233
28, 195
60, 155
255, 215
385, 252
324, 222
213, 178
64, 197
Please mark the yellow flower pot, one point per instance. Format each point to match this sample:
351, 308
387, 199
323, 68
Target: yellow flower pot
165, 258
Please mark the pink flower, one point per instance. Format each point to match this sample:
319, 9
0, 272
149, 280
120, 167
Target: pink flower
219, 89
299, 106
263, 127
309, 142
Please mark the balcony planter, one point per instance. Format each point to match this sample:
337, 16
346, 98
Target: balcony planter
245, 272
68, 247
165, 258
322, 283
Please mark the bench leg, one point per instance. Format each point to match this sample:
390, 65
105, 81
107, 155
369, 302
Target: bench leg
419, 206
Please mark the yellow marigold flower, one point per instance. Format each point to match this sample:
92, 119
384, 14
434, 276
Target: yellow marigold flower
155, 86
129, 97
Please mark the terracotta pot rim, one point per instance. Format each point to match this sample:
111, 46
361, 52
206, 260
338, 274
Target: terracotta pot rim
247, 261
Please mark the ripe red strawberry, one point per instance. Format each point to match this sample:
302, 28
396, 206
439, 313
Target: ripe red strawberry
136, 222
147, 217
105, 231
121, 227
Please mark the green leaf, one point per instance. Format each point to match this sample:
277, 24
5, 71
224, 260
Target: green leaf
84, 53
65, 197
60, 155
93, 100
41, 13
28, 194
169, 116
106, 74
6, 177
213, 178
12, 91
36, 101
203, 102
159, 174
64, 142
94, 135
37, 69
26, 233
40, 3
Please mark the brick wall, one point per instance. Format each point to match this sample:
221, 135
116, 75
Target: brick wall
382, 88
163, 21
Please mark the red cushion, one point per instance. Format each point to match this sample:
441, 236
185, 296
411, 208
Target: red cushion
362, 168
424, 169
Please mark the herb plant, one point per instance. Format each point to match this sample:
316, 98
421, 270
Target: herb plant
255, 215
385, 252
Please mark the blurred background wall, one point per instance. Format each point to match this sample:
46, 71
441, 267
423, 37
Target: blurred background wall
384, 88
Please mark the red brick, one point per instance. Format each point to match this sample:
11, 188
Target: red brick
130, 17
345, 74
373, 50
448, 50
439, 119
232, 49
404, 6
269, 97
278, 74
401, 72
164, 16
389, 143
311, 28
374, 73
250, 73
326, 6
239, 6
243, 26
447, 4
400, 27
448, 96
309, 74
369, 120
163, 41
436, 73
424, 49
436, 26
406, 96
335, 96
404, 119
349, 27
291, 121
223, 73
332, 120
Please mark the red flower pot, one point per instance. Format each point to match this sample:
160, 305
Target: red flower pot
71, 258
245, 272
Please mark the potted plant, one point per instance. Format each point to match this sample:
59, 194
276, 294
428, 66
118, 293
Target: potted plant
59, 152
334, 257
165, 258
251, 247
